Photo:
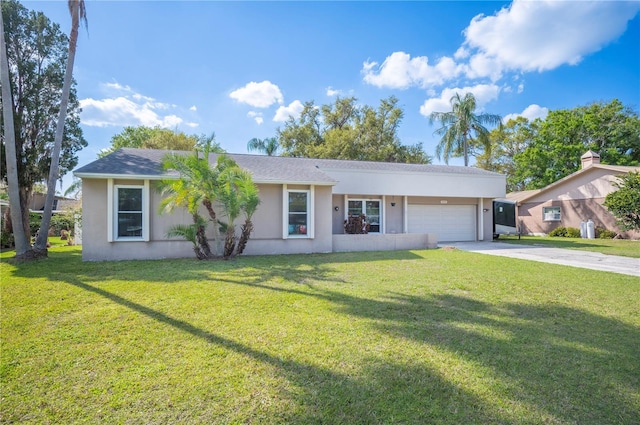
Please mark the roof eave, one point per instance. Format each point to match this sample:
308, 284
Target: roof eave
173, 177
124, 176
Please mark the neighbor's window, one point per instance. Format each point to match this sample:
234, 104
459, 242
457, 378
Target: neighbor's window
129, 220
551, 213
298, 221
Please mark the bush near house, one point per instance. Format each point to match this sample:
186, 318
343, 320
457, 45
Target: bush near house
602, 233
565, 232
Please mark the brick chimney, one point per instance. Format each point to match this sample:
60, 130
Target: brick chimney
589, 158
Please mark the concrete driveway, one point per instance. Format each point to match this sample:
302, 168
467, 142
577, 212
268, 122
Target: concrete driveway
565, 257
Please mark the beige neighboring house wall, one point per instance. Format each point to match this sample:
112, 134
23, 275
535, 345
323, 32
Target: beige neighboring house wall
60, 203
401, 192
579, 196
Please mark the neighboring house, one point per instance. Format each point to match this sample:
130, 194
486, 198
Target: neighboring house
59, 203
304, 203
571, 200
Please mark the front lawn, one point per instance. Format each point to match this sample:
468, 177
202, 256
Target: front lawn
623, 247
435, 336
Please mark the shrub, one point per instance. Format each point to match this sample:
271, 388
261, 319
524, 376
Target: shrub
62, 221
565, 232
602, 233
6, 240
558, 232
573, 232
34, 222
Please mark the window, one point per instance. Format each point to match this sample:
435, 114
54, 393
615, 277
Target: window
128, 212
551, 213
370, 209
298, 222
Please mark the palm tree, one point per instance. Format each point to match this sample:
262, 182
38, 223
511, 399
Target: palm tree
459, 125
191, 190
269, 145
249, 204
190, 232
22, 244
78, 12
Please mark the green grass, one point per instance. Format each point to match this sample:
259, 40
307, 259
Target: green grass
622, 247
435, 336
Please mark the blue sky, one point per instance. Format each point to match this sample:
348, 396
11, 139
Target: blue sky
240, 68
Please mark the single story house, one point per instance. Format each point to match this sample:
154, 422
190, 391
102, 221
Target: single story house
60, 203
576, 198
304, 203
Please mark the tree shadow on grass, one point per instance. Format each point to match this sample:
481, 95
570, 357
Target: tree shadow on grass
297, 268
384, 393
576, 366
569, 365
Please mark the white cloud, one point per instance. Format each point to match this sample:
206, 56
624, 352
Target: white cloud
400, 71
531, 112
542, 35
483, 93
284, 112
126, 107
257, 116
115, 86
192, 124
332, 92
193, 108
258, 95
121, 111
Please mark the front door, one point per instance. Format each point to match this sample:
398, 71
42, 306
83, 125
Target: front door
370, 209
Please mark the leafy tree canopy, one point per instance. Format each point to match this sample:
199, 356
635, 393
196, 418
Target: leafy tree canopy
346, 130
504, 144
610, 129
36, 54
624, 203
143, 137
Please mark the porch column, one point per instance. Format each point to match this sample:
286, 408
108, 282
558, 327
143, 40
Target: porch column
481, 219
383, 215
405, 214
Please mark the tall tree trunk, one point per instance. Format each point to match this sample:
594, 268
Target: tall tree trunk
25, 198
41, 241
201, 237
22, 242
229, 242
247, 227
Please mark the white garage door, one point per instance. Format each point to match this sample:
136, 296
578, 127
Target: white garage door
449, 222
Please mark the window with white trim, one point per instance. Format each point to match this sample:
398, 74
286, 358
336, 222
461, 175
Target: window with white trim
371, 210
551, 213
130, 219
298, 222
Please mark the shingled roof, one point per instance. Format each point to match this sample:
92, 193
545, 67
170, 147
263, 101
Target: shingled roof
147, 163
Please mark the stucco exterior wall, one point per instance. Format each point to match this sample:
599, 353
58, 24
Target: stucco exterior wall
487, 220
266, 238
375, 242
376, 182
95, 244
594, 183
572, 212
580, 198
394, 215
